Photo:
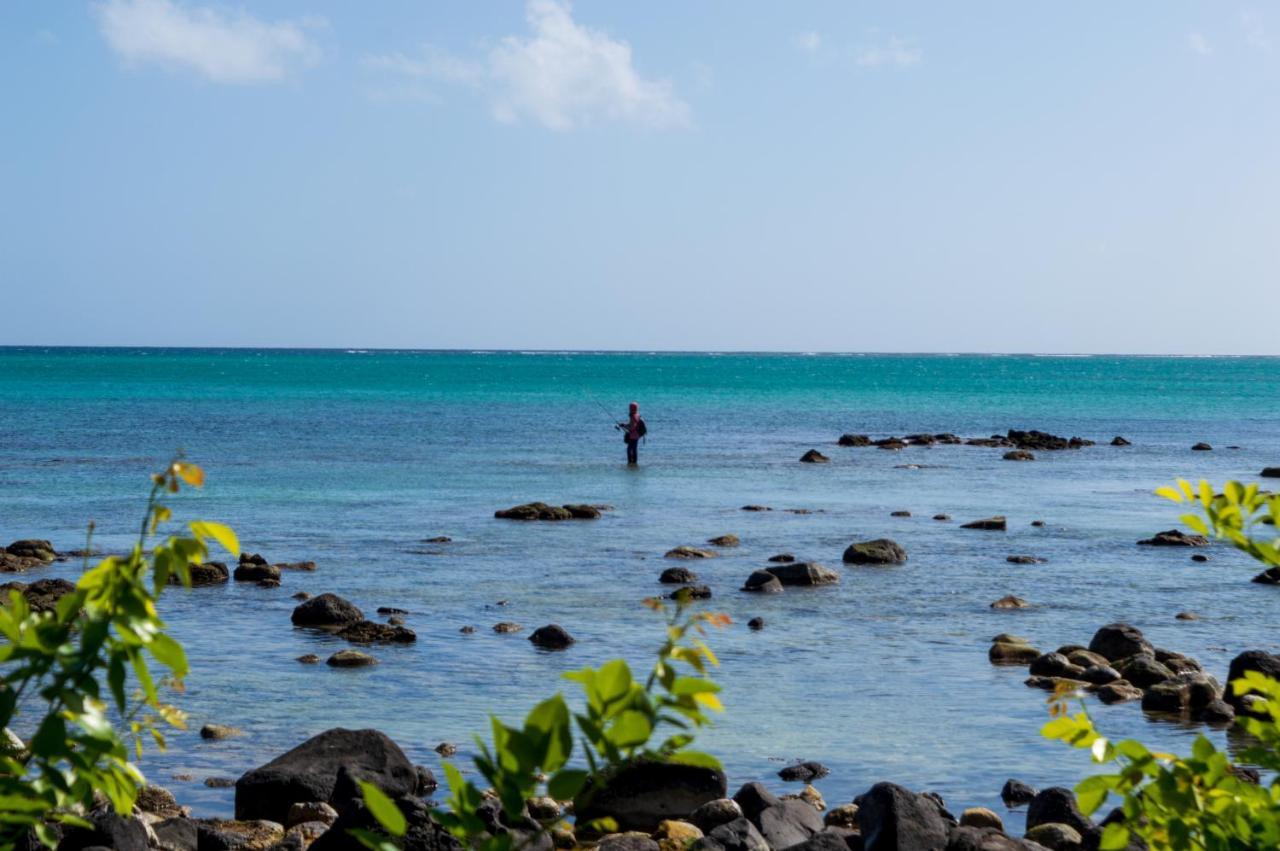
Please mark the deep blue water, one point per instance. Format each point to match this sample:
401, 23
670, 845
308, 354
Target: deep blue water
352, 458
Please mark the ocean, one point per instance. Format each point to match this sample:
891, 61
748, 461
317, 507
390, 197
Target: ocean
354, 458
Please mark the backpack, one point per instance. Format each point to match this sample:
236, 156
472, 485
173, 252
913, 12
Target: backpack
641, 428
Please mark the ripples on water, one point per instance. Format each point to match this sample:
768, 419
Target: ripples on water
352, 459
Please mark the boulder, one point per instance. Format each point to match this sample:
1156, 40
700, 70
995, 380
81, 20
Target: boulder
326, 610
303, 566
844, 816
309, 772
107, 830
1217, 712
1119, 441
506, 627
813, 456
756, 508
217, 732
724, 541
350, 659
990, 524
677, 576
578, 511
1015, 793
202, 575
42, 595
551, 637
1023, 559
804, 772
1168, 697
1012, 653
1054, 665
534, 511
981, 817
691, 592
712, 814
1270, 473
423, 833
1010, 602
1202, 447
641, 794
370, 632
1083, 658
782, 558
1250, 660
32, 548
1174, 538
1057, 805
310, 811
1117, 641
1144, 670
1044, 441
827, 840
1100, 675
756, 623
176, 834
805, 574
1056, 837
879, 551
902, 513
629, 841
736, 835
1270, 576
788, 823
892, 818
1118, 691
1018, 455
966, 838
753, 799
942, 517
689, 553
854, 440
254, 572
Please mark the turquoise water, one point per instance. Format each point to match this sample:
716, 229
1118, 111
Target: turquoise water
352, 458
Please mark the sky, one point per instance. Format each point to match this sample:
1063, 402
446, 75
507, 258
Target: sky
718, 175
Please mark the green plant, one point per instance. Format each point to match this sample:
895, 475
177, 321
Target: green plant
1199, 802
617, 725
56, 663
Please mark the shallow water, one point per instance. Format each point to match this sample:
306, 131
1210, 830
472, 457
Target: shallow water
352, 458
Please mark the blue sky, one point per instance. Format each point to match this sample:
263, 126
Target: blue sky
662, 175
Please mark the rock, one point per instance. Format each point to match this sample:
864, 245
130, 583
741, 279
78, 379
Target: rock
1175, 538
736, 835
691, 592
806, 574
1083, 658
756, 624
543, 809
1270, 576
1270, 473
108, 830
466, 630
804, 772
725, 541
309, 659
326, 610
159, 801
1177, 662
438, 539
689, 552
845, 815
371, 632
310, 811
964, 838
1250, 660
763, 582
892, 818
1202, 447
176, 834
1023, 559
1144, 671
506, 627
1050, 683
42, 595
551, 637
1187, 616
1044, 441
813, 456
1018, 455
753, 799
1057, 805
810, 795
990, 524
301, 595
534, 511
641, 794
582, 512
678, 576
1117, 641
942, 517
714, 813
350, 659
1037, 523
240, 835
1054, 665
254, 572
756, 508
1164, 697
675, 835
782, 558
1217, 712
879, 551
423, 833
252, 558
309, 772
217, 732
854, 440
1119, 441
629, 841
1057, 837
788, 823
32, 548
395, 620
1012, 653
981, 817
1016, 793
203, 575
1010, 602
1118, 691
1100, 675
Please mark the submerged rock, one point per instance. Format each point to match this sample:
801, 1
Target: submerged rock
370, 632
326, 610
879, 551
725, 541
350, 659
756, 623
254, 572
1175, 538
1044, 441
217, 732
677, 576
1015, 793
1012, 653
32, 548
804, 772
854, 440
551, 637
762, 582
689, 553
543, 511
805, 574
813, 456
1018, 455
1011, 602
42, 595
1202, 447
1117, 641
1023, 559
1119, 441
202, 575
991, 524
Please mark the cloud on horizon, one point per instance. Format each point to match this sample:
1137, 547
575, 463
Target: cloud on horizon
221, 46
561, 75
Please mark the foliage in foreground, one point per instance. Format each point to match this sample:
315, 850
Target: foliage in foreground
56, 662
1197, 802
622, 720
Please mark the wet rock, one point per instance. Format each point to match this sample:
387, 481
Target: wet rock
1049, 683
1117, 641
629, 841
1023, 559
1057, 805
107, 830
203, 575
158, 801
301, 595
32, 548
813, 456
1010, 602
677, 576
1083, 658
1174, 538
942, 517
175, 834
326, 610
1037, 523
891, 818
1270, 473
1250, 660
372, 632
788, 823
890, 444
990, 524
1164, 697
1187, 616
689, 553
506, 627
1016, 793
981, 817
391, 610
756, 624
395, 620
1270, 576
1118, 691
642, 794
1100, 675
899, 513
268, 583
578, 511
1144, 671
737, 835
845, 816
240, 835
691, 592
219, 782
1119, 441
1054, 665
1044, 441
714, 813
782, 558
309, 659
466, 630
1012, 653
753, 799
879, 551
551, 637
804, 574
1202, 447
310, 811
438, 539
1217, 712
725, 541
217, 732
350, 659
854, 440
804, 772
756, 508
534, 511
1018, 455
42, 595
1056, 837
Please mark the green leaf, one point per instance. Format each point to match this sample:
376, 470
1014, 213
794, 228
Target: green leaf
613, 680
383, 809
169, 653
203, 529
565, 785
1115, 837
630, 729
702, 760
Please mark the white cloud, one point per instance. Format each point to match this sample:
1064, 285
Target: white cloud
809, 42
561, 75
896, 51
1198, 43
1255, 31
222, 46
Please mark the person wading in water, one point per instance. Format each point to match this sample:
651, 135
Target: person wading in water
632, 430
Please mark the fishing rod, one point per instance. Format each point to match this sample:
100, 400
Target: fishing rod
601, 406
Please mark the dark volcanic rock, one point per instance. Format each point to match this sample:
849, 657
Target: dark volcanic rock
992, 524
756, 623
892, 818
542, 511
1175, 538
254, 572
34, 549
1119, 441
1270, 473
551, 637
854, 440
736, 835
804, 772
209, 573
677, 576
1250, 660
762, 582
813, 456
1144, 671
369, 632
42, 595
326, 610
1018, 455
1024, 559
641, 794
1117, 641
879, 551
350, 659
579, 511
1270, 576
1044, 441
804, 574
788, 823
782, 558
309, 773
1015, 793
1202, 447
753, 799
1057, 805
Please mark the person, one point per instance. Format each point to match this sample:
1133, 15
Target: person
632, 430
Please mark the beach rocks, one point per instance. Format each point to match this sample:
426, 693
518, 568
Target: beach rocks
854, 440
691, 592
813, 456
782, 558
712, 814
737, 835
788, 823
891, 817
763, 582
804, 772
370, 632
309, 659
1202, 447
350, 659
506, 627
990, 524
326, 610
804, 574
542, 511
551, 637
1054, 665
942, 517
1010, 602
757, 623
1144, 671
756, 508
879, 551
725, 541
1118, 691
1175, 538
1270, 576
688, 553
1018, 455
677, 576
981, 817
1056, 837
309, 772
1117, 641
1100, 675
640, 795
